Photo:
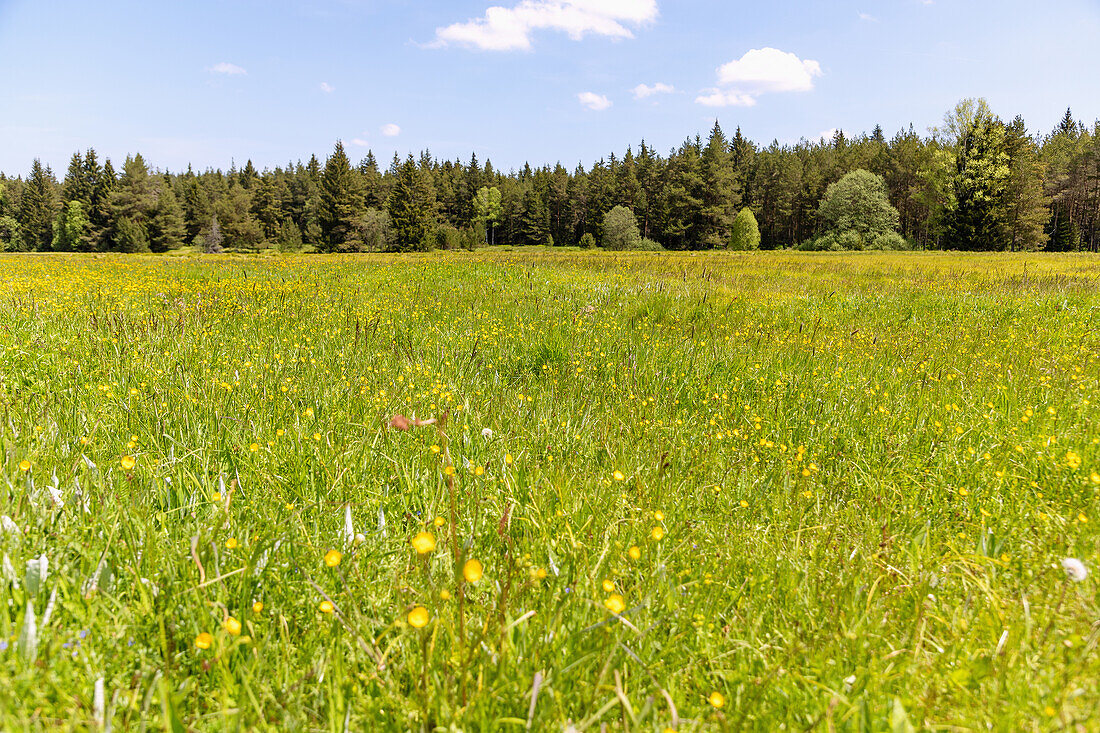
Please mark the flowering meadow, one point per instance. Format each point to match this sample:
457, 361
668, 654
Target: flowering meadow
550, 491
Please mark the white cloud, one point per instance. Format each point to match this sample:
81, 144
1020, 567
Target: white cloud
359, 142
868, 17
719, 98
760, 71
594, 101
226, 68
391, 130
828, 134
327, 88
509, 29
642, 90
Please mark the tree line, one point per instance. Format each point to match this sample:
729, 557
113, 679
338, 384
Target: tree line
976, 182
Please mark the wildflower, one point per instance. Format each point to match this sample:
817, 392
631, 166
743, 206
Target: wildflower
615, 604
608, 586
418, 617
128, 462
479, 470
254, 447
24, 466
744, 504
231, 543
326, 607
233, 626
423, 543
1075, 569
216, 497
487, 433
472, 571
258, 607
634, 552
445, 595
435, 449
1073, 460
618, 476
508, 460
659, 515
204, 640
449, 470
717, 699
658, 533
333, 558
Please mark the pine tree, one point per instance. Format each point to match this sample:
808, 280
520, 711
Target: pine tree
102, 180
166, 229
341, 203
1026, 204
196, 210
720, 195
975, 213
412, 209
133, 203
534, 227
38, 208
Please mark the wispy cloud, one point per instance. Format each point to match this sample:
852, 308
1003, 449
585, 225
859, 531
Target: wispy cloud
226, 68
642, 91
391, 130
760, 71
868, 17
510, 29
327, 88
359, 142
597, 102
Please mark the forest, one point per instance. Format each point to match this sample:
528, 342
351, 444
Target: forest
976, 182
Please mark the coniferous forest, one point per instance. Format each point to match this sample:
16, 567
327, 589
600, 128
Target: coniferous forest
976, 182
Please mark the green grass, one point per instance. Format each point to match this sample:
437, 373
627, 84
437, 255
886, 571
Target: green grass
864, 470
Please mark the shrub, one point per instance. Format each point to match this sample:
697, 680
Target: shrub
587, 241
650, 245
746, 232
620, 229
447, 237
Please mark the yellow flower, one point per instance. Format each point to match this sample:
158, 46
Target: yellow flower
257, 607
326, 607
717, 699
615, 603
435, 449
608, 586
635, 552
233, 626
254, 447
317, 437
204, 640
418, 617
658, 533
508, 458
128, 462
744, 504
618, 476
439, 521
472, 571
24, 466
479, 470
424, 543
217, 496
280, 433
333, 558
449, 470
445, 595
231, 543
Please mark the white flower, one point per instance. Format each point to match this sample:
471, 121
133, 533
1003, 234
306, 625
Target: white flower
1075, 569
8, 525
487, 433
349, 526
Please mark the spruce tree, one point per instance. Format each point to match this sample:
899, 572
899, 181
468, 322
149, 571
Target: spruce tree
166, 228
719, 194
1026, 205
133, 203
975, 214
534, 227
38, 208
412, 209
341, 203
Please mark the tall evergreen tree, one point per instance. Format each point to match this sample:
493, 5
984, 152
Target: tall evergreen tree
341, 203
720, 195
534, 221
166, 228
412, 209
133, 203
1025, 203
975, 213
38, 208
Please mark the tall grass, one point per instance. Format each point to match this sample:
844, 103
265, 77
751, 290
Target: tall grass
771, 491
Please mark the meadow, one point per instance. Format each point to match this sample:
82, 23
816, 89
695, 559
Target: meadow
774, 491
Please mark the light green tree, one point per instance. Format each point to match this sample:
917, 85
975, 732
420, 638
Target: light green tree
488, 210
746, 232
620, 229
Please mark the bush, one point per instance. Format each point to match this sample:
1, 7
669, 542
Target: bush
620, 229
447, 237
376, 231
470, 238
746, 232
587, 241
649, 245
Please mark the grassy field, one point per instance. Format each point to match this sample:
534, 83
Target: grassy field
664, 491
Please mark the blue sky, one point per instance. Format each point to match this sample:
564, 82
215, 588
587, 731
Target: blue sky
207, 82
